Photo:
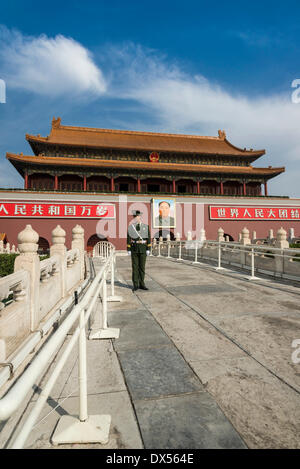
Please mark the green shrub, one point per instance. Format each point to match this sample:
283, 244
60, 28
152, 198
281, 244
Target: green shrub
44, 256
296, 257
7, 262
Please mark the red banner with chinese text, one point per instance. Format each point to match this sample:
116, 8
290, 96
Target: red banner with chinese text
56, 210
221, 212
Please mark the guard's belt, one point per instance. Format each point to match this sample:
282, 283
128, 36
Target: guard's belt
140, 241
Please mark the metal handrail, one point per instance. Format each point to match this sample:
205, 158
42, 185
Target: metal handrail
16, 395
222, 246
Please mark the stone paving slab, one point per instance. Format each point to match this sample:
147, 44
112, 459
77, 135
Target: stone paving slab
186, 422
145, 333
201, 289
123, 317
157, 372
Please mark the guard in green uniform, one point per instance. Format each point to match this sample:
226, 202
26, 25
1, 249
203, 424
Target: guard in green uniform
138, 247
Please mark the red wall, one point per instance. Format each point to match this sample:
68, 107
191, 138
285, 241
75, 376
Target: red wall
185, 215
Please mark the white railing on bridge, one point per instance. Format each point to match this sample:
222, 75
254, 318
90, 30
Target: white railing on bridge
85, 428
30, 294
283, 263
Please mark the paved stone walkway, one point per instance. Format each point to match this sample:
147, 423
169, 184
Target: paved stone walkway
203, 361
235, 335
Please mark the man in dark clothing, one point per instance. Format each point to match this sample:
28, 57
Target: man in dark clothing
138, 246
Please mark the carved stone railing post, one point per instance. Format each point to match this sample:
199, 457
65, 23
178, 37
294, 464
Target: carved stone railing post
291, 234
58, 248
202, 235
78, 243
271, 235
281, 239
221, 238
245, 237
29, 260
1, 247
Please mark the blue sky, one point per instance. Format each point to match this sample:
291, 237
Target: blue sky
169, 66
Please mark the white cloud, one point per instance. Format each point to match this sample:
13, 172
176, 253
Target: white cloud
48, 66
192, 104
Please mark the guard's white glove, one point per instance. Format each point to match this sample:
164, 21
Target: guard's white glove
129, 253
148, 253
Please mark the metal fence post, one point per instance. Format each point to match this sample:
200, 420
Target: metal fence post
105, 332
83, 413
179, 254
219, 258
196, 254
252, 267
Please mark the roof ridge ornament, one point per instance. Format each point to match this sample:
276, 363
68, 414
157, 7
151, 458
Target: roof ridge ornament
222, 134
56, 123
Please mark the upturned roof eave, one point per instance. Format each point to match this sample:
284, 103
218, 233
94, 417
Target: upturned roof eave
118, 164
49, 141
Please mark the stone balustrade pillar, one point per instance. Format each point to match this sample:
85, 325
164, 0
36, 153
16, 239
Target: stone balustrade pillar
202, 235
291, 234
58, 248
78, 243
29, 260
189, 236
1, 247
221, 238
178, 237
245, 237
281, 239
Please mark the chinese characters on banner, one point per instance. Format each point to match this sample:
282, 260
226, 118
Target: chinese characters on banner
56, 210
254, 213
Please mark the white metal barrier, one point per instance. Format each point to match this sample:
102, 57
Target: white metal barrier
85, 428
102, 249
283, 263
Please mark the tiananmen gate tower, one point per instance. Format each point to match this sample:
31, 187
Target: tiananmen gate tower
95, 175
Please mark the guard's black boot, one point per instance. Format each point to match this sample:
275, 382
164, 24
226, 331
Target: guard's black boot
143, 287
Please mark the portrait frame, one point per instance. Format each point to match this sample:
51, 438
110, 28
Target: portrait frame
159, 222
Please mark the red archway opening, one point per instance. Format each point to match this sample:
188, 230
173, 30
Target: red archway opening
229, 236
92, 241
44, 247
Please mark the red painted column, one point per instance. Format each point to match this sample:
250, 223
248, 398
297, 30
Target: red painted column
26, 181
266, 188
222, 188
55, 182
174, 186
84, 183
112, 184
139, 185
244, 188
198, 187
